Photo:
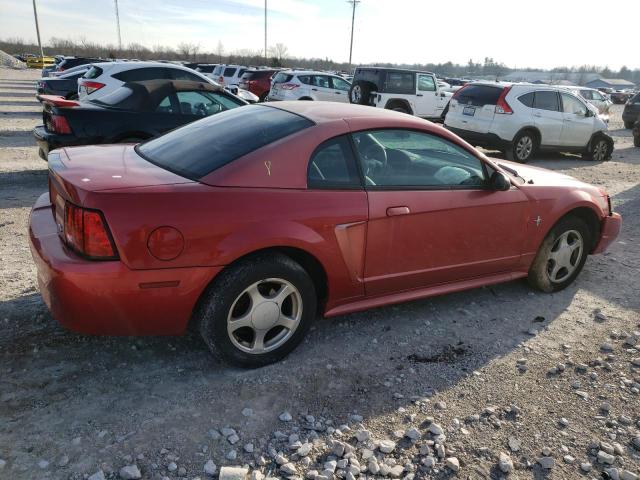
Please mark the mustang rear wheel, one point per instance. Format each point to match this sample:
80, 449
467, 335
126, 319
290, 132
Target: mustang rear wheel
561, 255
258, 310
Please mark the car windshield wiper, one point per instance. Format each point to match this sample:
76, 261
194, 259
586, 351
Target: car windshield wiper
510, 170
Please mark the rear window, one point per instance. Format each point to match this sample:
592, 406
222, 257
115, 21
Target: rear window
479, 95
201, 147
93, 72
527, 99
282, 78
229, 72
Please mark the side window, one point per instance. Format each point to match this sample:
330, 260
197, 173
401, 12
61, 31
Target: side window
229, 72
400, 82
165, 106
546, 100
571, 104
202, 104
527, 99
332, 165
586, 94
340, 84
320, 81
405, 158
306, 79
141, 74
426, 83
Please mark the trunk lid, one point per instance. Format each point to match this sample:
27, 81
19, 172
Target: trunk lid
76, 171
473, 107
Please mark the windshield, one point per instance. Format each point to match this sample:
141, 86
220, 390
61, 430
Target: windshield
201, 147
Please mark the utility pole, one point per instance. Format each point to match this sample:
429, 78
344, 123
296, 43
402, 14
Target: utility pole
353, 19
118, 24
265, 32
35, 14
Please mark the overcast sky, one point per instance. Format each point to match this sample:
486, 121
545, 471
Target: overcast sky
541, 33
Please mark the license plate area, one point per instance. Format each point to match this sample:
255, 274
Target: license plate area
469, 111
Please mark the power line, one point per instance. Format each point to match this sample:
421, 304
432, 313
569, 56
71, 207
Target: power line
118, 24
353, 19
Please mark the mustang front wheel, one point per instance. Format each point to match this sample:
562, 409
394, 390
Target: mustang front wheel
258, 311
561, 255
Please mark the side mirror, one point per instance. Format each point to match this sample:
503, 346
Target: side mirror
499, 182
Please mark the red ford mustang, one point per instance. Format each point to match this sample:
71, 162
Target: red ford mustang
251, 221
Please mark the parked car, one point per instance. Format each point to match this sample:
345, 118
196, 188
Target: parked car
257, 82
228, 75
309, 85
309, 207
40, 62
65, 85
70, 62
132, 113
104, 78
522, 119
407, 91
620, 97
631, 112
47, 69
594, 97
636, 134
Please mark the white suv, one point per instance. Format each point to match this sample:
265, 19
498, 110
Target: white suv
309, 85
103, 78
228, 75
521, 119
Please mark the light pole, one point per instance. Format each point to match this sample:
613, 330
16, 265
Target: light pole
265, 32
353, 19
35, 14
118, 24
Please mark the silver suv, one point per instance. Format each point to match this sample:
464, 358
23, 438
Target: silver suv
309, 85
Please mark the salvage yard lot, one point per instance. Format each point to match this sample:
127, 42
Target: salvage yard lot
71, 405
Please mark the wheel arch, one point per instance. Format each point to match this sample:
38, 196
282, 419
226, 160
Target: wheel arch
600, 134
533, 129
588, 215
398, 102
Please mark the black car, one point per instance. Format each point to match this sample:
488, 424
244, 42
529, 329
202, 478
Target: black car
70, 62
132, 113
631, 112
65, 85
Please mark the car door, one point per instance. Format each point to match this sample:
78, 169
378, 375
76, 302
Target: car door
547, 116
578, 122
432, 218
340, 89
320, 88
426, 102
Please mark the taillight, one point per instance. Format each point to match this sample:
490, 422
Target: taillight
456, 94
90, 86
289, 86
501, 105
86, 232
59, 124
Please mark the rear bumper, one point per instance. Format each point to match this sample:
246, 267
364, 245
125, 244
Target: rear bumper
609, 231
108, 298
48, 141
489, 140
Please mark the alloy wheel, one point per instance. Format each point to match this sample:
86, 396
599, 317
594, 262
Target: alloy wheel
264, 316
565, 255
524, 147
600, 151
356, 94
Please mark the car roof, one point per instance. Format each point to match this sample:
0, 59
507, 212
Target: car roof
394, 69
324, 112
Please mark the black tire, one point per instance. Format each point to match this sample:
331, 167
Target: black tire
636, 140
263, 97
628, 125
360, 93
599, 149
523, 148
539, 275
226, 291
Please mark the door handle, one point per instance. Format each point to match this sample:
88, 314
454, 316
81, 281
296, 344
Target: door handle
537, 115
314, 89
338, 93
419, 95
394, 211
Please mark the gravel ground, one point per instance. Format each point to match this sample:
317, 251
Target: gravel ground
493, 380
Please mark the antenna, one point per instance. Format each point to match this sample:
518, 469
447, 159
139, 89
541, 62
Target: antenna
354, 3
118, 24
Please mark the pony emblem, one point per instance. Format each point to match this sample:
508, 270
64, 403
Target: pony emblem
268, 165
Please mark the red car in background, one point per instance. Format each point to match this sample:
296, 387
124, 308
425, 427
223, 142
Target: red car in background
309, 207
257, 82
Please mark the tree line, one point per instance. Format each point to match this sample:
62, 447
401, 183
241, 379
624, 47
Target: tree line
278, 56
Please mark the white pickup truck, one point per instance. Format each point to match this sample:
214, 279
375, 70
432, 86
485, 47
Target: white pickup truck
408, 91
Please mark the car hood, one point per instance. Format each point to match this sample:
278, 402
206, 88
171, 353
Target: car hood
547, 178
